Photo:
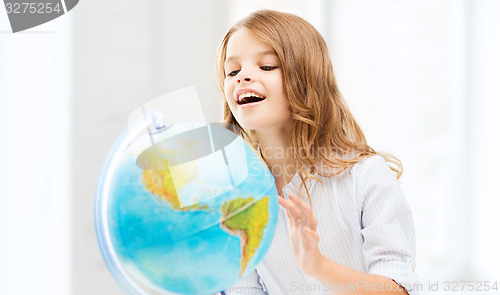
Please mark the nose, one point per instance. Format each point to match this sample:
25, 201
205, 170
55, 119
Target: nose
245, 79
243, 76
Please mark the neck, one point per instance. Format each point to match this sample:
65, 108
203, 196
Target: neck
275, 151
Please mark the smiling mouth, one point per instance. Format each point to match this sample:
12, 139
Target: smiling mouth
249, 98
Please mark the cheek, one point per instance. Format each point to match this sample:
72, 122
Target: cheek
228, 84
279, 92
277, 84
228, 97
227, 91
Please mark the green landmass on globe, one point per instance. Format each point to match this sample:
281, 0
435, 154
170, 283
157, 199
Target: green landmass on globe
194, 213
241, 217
248, 224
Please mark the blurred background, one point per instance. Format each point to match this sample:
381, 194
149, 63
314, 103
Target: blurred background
420, 76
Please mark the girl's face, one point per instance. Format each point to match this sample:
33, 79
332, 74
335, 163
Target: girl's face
254, 85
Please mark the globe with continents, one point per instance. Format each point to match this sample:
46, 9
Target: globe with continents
188, 209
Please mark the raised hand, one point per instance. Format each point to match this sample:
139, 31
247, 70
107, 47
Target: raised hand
303, 236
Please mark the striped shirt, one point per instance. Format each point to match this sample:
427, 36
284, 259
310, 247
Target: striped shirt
364, 222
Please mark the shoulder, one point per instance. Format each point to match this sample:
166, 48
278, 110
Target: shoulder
374, 179
371, 168
374, 168
366, 176
372, 162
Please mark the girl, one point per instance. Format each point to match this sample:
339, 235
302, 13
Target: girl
344, 225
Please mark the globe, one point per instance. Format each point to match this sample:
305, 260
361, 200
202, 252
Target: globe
190, 208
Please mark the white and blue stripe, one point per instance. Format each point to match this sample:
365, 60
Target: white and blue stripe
364, 222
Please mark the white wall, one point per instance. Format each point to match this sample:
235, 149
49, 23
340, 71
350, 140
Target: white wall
420, 77
125, 54
35, 158
483, 104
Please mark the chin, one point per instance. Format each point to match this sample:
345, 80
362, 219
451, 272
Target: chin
250, 126
251, 123
261, 124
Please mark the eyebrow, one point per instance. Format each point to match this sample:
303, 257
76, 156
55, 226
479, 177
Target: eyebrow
262, 53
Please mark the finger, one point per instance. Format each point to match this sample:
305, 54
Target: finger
291, 209
280, 201
306, 211
289, 217
299, 202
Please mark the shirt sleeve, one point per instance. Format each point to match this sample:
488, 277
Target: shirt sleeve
386, 224
251, 285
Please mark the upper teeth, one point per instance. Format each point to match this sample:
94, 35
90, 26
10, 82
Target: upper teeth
248, 94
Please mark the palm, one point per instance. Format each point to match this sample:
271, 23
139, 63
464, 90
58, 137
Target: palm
303, 237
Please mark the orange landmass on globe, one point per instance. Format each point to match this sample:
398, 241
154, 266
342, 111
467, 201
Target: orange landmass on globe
160, 184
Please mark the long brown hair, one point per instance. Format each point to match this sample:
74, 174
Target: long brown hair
325, 131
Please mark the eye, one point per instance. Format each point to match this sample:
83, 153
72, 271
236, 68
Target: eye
268, 68
233, 73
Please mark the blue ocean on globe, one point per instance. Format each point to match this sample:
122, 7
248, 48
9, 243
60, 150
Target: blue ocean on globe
188, 229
